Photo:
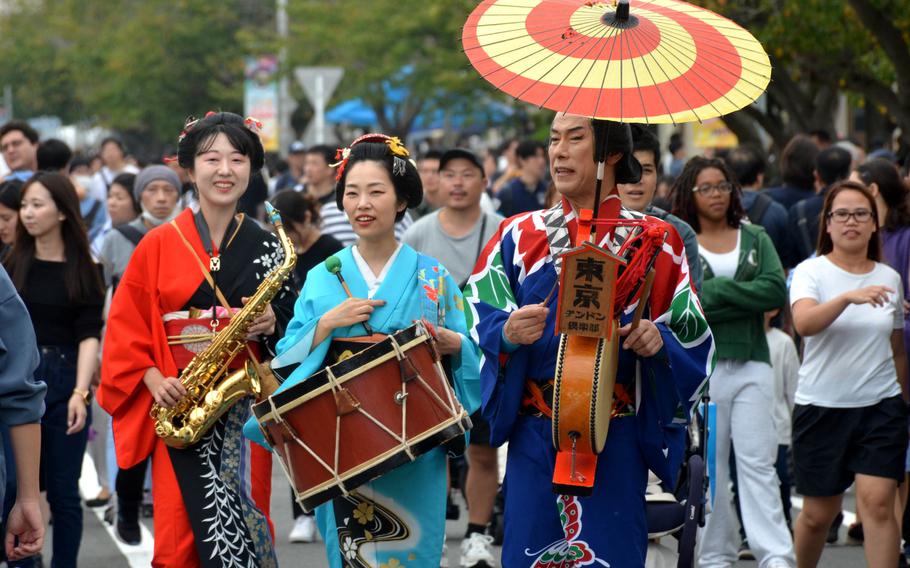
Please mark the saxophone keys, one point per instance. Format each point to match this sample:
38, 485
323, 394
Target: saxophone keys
213, 399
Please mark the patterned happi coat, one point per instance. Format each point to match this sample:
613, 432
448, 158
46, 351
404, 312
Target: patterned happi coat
543, 529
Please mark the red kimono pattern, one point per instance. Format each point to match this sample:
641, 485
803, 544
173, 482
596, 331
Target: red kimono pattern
163, 277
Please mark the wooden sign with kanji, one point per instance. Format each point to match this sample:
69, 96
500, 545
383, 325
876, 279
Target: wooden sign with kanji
587, 291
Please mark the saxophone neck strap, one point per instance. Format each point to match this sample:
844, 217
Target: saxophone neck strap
205, 272
208, 278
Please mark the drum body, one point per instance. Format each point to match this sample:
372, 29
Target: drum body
377, 409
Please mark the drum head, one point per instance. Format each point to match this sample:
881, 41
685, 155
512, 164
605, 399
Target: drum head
604, 381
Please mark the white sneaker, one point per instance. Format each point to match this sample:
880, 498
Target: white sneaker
444, 561
476, 552
304, 529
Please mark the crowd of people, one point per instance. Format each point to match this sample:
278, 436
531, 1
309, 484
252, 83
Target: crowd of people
799, 288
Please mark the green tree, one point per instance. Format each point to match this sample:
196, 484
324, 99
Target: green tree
819, 49
139, 67
402, 57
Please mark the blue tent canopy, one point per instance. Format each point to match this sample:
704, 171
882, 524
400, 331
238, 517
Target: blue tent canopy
358, 113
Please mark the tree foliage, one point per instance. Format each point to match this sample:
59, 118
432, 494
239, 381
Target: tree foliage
389, 47
137, 66
821, 48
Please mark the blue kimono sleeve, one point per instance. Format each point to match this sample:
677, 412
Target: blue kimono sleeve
491, 296
673, 380
295, 351
465, 367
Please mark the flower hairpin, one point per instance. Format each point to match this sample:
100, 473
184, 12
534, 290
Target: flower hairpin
393, 142
252, 124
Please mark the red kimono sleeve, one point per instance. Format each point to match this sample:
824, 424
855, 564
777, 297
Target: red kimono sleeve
135, 341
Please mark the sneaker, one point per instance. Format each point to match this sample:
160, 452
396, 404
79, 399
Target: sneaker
855, 534
476, 552
834, 528
304, 529
778, 563
101, 500
744, 552
444, 561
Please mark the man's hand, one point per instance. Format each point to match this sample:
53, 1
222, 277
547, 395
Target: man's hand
645, 340
526, 324
447, 341
26, 525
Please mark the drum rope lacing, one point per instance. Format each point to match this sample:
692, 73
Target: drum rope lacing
336, 386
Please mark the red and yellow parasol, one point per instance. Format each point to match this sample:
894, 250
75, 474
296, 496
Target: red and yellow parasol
656, 61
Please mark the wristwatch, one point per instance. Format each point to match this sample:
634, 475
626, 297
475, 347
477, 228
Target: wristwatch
85, 394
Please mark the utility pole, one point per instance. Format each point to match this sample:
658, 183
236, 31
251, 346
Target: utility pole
285, 105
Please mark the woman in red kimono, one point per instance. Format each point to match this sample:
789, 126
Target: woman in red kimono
211, 499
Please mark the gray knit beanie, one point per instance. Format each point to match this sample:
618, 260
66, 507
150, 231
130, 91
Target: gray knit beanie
154, 173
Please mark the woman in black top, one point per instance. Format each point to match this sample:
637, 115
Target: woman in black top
300, 215
52, 268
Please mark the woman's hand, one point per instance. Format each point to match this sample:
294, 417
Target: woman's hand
263, 325
349, 312
645, 340
167, 391
526, 324
447, 341
76, 413
876, 295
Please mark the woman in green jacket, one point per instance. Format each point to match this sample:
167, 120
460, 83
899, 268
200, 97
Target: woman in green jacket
743, 279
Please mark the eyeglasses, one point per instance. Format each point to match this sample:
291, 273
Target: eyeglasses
707, 189
841, 215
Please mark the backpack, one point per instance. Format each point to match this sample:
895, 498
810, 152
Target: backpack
132, 234
802, 225
92, 213
761, 204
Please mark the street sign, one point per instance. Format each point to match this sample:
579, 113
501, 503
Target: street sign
319, 83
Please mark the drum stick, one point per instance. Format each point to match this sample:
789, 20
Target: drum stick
551, 293
642, 300
333, 265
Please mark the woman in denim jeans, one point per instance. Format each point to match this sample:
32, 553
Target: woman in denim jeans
52, 268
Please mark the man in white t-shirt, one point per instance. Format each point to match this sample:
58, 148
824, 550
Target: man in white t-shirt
455, 236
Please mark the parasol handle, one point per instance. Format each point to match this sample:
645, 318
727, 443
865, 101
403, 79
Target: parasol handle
622, 11
601, 137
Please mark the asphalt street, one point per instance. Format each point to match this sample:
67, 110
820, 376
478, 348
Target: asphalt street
101, 549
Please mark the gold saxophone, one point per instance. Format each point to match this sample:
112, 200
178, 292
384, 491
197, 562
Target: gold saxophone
210, 390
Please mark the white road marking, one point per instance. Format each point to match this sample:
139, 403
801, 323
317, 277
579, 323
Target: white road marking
139, 556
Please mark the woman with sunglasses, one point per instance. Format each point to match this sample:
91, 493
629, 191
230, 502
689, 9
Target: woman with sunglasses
742, 280
850, 418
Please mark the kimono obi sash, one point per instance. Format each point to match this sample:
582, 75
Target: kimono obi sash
190, 333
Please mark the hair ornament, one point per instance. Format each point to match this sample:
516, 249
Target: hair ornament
252, 124
398, 166
393, 142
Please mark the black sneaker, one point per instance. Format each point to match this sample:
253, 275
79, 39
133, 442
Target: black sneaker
834, 528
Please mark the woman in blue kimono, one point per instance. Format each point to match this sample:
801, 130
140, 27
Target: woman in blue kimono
397, 520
